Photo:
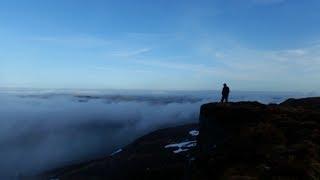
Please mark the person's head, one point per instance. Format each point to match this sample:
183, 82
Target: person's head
224, 84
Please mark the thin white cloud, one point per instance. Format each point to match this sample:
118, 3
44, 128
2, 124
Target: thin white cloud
289, 55
198, 68
219, 55
280, 68
72, 40
132, 53
98, 68
308, 55
268, 1
137, 35
115, 69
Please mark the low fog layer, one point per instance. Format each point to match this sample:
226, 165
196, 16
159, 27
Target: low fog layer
44, 130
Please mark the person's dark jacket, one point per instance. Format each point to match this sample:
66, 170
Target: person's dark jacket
225, 91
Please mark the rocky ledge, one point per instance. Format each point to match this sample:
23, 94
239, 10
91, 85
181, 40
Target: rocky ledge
243, 140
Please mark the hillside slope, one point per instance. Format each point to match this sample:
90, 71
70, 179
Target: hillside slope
243, 140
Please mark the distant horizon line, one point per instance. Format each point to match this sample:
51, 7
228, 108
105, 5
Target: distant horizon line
167, 90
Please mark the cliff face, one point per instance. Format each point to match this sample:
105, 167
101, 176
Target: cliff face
244, 140
260, 141
217, 121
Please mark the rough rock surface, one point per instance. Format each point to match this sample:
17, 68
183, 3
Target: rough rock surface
260, 141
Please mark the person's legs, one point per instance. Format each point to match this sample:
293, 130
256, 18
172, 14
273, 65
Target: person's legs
224, 99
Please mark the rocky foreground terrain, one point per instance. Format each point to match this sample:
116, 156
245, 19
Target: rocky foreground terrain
243, 140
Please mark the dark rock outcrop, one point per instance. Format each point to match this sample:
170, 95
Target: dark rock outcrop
312, 103
217, 120
260, 141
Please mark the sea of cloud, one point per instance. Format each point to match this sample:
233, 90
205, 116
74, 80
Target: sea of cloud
44, 129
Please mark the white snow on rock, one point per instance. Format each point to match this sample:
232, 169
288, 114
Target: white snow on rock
183, 146
191, 145
180, 150
194, 133
116, 152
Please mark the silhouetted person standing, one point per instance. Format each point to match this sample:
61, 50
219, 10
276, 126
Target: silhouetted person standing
225, 93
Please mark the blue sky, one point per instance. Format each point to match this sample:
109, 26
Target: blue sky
271, 45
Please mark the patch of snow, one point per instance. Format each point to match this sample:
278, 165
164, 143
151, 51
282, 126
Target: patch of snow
191, 145
266, 167
183, 146
179, 145
180, 150
194, 133
116, 152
